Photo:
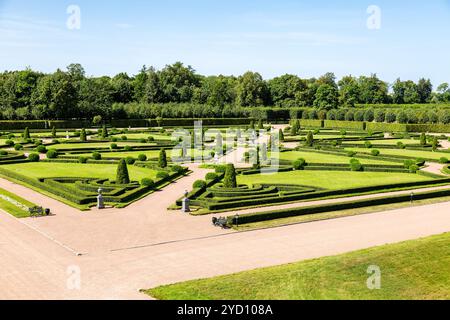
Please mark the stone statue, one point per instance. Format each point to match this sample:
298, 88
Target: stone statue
100, 201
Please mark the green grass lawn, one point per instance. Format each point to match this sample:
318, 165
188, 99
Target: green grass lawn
332, 180
406, 153
413, 270
76, 146
7, 204
139, 136
150, 154
314, 157
385, 142
60, 170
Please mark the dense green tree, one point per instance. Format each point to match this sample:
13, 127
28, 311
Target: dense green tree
348, 91
287, 90
326, 97
252, 90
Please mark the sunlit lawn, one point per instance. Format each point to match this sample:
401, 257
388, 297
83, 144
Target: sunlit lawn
332, 180
59, 170
413, 270
94, 145
314, 157
406, 153
138, 136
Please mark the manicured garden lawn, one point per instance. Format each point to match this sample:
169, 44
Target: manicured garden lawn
413, 270
150, 154
93, 145
143, 136
7, 203
406, 153
331, 180
392, 142
60, 170
314, 157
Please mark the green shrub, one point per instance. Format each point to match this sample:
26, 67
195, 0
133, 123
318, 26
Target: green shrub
375, 152
408, 163
9, 143
41, 149
52, 154
122, 176
220, 169
114, 146
147, 182
151, 139
229, 180
299, 164
114, 139
199, 184
400, 145
309, 139
355, 165
26, 134
423, 139
34, 157
162, 175
443, 160
177, 169
142, 157
211, 176
83, 135
124, 138
18, 147
82, 160
351, 154
97, 156
368, 144
143, 141
128, 148
414, 168
130, 160
3, 153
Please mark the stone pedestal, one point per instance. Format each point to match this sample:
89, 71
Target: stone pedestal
185, 208
100, 201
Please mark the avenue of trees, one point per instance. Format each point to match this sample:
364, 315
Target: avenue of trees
178, 90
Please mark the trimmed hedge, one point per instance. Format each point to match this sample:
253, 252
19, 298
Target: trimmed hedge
311, 123
279, 214
350, 125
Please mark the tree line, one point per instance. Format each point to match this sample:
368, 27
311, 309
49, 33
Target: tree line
69, 94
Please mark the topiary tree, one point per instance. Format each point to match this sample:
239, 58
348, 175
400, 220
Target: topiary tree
257, 160
295, 129
281, 135
199, 184
435, 144
162, 161
33, 157
54, 132
309, 139
142, 157
299, 164
423, 139
97, 156
229, 181
26, 134
83, 135
355, 165
122, 176
105, 133
147, 182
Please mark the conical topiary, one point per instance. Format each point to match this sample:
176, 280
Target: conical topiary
229, 181
54, 132
83, 135
123, 176
105, 133
26, 134
281, 135
162, 162
310, 139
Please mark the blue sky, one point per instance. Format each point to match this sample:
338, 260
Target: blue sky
307, 38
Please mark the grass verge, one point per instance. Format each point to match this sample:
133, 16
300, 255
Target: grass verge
11, 204
412, 270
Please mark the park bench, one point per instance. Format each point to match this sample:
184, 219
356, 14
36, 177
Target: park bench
220, 222
38, 212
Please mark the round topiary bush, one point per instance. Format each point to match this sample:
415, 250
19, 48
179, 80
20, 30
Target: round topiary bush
33, 157
443, 160
199, 184
414, 168
147, 182
143, 141
355, 165
177, 169
130, 160
3, 153
151, 139
18, 147
9, 143
97, 156
400, 145
211, 176
82, 160
114, 146
128, 148
124, 138
299, 164
368, 144
375, 152
351, 154
114, 139
52, 154
162, 175
142, 157
220, 169
41, 149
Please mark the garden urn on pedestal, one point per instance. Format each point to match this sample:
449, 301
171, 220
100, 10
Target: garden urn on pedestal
100, 202
185, 203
